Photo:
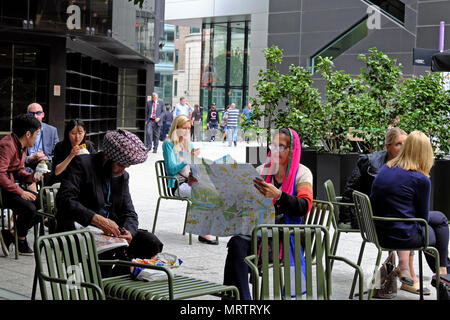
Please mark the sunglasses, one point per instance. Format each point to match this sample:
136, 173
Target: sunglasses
31, 113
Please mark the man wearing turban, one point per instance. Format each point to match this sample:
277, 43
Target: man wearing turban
95, 192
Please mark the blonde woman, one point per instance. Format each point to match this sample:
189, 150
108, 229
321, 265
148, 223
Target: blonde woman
178, 143
402, 190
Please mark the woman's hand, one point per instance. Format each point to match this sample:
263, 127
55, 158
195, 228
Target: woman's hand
191, 179
74, 151
195, 152
268, 190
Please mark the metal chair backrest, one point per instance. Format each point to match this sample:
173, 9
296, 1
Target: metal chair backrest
49, 194
287, 279
321, 214
163, 179
363, 209
331, 196
67, 266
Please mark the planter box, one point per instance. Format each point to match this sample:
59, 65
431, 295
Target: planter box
440, 187
323, 166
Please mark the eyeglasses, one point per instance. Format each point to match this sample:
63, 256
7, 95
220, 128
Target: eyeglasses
279, 148
31, 113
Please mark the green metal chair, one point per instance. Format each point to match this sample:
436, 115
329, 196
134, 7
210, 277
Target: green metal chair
316, 239
69, 269
338, 229
166, 193
366, 221
47, 196
9, 226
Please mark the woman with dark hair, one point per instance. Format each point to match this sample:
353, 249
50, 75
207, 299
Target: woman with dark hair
289, 184
74, 142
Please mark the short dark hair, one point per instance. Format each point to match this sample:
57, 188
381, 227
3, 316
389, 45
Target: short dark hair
23, 123
69, 126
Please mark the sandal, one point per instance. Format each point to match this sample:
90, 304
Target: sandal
415, 289
404, 276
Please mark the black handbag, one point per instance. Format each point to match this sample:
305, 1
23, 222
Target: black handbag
386, 285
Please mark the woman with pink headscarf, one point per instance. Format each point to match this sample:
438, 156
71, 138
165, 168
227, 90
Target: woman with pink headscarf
289, 184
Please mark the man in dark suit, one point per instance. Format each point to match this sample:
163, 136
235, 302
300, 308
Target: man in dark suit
45, 143
95, 192
154, 111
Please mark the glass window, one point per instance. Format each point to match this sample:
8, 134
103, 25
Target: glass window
219, 64
177, 32
175, 88
237, 53
176, 59
343, 43
194, 30
393, 8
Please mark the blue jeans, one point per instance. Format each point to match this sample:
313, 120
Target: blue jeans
231, 135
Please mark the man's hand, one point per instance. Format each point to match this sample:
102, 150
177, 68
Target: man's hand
125, 234
38, 156
108, 226
28, 196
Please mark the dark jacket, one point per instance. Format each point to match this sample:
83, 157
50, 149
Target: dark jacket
159, 110
361, 180
62, 151
81, 195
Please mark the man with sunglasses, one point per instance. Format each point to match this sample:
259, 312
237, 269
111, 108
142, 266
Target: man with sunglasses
43, 147
94, 191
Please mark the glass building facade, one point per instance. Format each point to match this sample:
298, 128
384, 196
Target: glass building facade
164, 68
225, 64
87, 59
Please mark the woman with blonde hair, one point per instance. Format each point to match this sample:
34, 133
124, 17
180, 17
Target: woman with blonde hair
402, 190
176, 148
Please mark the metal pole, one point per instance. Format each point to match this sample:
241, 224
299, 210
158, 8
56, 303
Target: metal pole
441, 36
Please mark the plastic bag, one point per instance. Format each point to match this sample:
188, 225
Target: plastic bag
160, 259
41, 169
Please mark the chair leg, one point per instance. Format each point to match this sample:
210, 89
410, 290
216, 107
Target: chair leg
156, 215
16, 237
420, 275
33, 293
185, 217
374, 278
361, 252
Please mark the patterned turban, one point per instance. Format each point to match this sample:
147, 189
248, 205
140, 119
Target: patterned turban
124, 147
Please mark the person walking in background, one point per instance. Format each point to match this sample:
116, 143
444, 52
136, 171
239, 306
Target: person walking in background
402, 189
166, 119
212, 121
223, 124
232, 124
246, 114
196, 122
155, 108
43, 147
182, 108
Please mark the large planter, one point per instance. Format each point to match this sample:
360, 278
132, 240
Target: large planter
440, 187
324, 166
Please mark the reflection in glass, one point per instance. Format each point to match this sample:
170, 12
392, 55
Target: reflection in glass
237, 53
219, 65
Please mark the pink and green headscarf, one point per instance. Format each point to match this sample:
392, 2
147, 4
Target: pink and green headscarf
289, 181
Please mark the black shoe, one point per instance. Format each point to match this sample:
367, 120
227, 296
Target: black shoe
207, 241
154, 150
235, 143
445, 281
24, 249
8, 238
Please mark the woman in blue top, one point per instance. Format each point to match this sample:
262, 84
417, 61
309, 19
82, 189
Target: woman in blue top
175, 148
402, 190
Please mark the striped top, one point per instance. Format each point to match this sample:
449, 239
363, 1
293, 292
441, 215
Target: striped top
233, 115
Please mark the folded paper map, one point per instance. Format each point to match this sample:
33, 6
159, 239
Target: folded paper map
224, 201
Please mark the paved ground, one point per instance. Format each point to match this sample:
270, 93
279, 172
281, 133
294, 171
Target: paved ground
200, 260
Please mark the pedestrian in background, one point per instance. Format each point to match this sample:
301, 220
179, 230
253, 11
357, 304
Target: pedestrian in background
155, 108
196, 122
232, 124
166, 119
212, 121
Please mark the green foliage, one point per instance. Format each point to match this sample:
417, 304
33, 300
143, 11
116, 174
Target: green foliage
140, 2
424, 105
363, 106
